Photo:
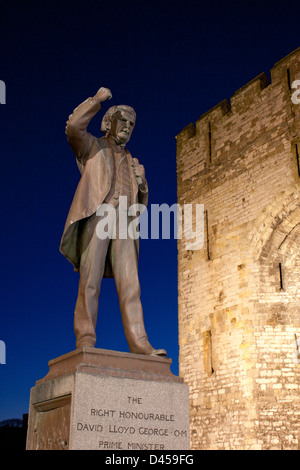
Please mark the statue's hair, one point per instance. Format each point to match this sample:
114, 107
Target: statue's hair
107, 118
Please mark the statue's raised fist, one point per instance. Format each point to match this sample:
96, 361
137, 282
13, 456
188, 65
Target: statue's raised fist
104, 94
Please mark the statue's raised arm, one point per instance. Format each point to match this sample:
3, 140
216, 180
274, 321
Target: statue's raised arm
76, 129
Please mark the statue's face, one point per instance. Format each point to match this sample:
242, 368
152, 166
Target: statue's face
122, 125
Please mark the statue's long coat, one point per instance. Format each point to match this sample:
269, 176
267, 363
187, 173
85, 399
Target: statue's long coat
96, 163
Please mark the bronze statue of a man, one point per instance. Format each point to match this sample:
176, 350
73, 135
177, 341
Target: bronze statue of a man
108, 172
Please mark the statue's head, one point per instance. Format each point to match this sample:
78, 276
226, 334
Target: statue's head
119, 122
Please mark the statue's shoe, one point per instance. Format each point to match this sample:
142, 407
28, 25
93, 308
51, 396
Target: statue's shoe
144, 347
158, 352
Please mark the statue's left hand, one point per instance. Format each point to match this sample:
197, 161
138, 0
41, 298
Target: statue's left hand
139, 171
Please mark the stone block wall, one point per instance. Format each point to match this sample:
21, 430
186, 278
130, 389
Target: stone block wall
239, 296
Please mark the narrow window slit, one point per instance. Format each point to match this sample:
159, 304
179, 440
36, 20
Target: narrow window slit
298, 159
281, 277
297, 347
288, 78
207, 235
209, 142
207, 352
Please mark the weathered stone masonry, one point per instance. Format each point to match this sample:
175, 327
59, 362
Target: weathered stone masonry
239, 296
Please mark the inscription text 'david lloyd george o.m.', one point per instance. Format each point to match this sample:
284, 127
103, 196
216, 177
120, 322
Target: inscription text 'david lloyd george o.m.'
147, 417
143, 424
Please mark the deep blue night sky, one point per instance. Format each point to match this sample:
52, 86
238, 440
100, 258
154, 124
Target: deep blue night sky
171, 61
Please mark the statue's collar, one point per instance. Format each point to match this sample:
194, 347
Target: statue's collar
112, 141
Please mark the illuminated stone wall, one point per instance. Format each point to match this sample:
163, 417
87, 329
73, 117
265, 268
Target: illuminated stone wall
239, 296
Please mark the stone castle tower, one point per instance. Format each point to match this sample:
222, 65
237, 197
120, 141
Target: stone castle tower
239, 296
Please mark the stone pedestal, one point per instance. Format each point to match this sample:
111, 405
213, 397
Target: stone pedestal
95, 399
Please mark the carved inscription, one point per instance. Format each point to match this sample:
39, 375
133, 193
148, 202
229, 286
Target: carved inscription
130, 426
